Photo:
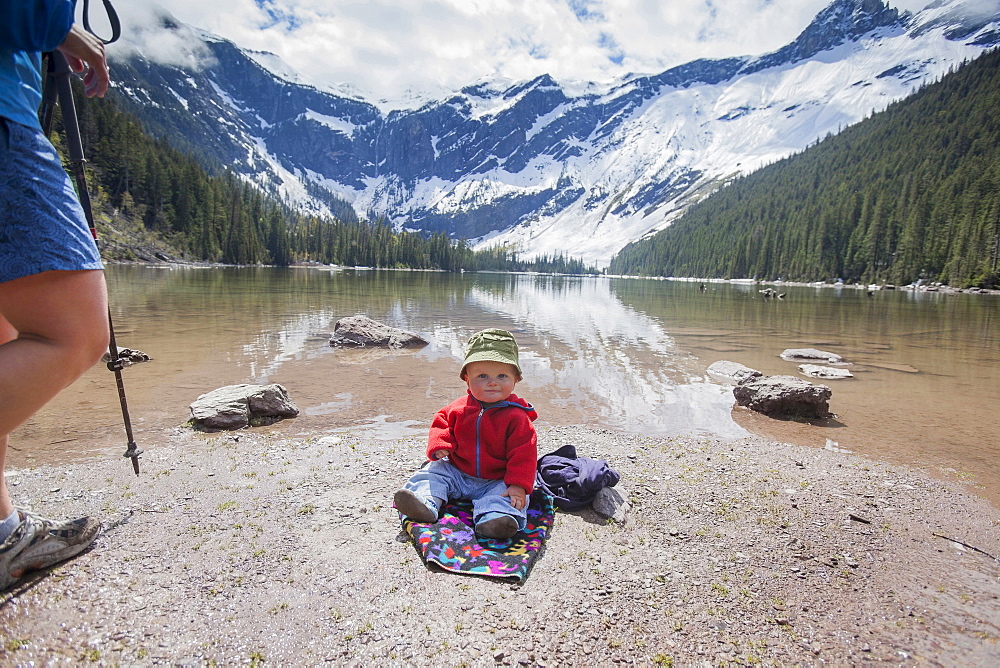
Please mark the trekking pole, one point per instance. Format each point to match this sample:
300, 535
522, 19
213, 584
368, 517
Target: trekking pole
58, 89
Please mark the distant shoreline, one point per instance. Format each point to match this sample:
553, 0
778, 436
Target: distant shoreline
932, 287
873, 287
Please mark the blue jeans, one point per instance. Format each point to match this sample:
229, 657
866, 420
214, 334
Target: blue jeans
439, 481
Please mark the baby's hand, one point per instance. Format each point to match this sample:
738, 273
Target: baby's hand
518, 496
440, 454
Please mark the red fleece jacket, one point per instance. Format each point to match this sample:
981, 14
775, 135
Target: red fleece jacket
495, 442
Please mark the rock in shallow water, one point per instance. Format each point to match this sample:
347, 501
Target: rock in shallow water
820, 371
360, 331
811, 355
733, 371
238, 406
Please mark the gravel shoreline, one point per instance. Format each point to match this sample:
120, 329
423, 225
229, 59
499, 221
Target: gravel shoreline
254, 548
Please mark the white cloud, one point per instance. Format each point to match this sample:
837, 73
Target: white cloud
384, 48
176, 47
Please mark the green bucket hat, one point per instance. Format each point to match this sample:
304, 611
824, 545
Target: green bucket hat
492, 345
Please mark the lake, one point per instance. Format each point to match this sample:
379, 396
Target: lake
626, 354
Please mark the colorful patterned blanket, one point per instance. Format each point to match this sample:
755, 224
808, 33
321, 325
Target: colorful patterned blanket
452, 544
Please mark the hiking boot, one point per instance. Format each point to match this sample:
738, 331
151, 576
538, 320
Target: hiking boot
498, 527
38, 543
410, 505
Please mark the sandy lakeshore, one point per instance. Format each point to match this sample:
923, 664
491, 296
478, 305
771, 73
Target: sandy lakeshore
255, 548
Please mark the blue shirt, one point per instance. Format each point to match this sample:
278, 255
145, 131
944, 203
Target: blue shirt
27, 28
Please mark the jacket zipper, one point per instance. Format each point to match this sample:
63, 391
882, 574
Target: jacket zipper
479, 418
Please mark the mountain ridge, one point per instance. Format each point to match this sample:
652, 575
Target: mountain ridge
540, 168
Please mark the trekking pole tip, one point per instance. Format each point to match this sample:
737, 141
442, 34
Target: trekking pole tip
133, 453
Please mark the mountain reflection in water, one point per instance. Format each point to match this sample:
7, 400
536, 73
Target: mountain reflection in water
626, 354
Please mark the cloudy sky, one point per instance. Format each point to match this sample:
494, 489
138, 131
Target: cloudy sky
387, 49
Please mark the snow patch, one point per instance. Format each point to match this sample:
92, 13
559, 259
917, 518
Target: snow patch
332, 122
226, 97
183, 101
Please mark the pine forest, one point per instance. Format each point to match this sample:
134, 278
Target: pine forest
908, 194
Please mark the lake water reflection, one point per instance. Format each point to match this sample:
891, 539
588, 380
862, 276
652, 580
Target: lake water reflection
628, 354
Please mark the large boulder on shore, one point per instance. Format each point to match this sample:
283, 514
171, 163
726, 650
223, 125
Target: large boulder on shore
610, 503
784, 397
362, 331
238, 406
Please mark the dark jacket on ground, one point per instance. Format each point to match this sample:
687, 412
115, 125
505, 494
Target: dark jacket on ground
573, 481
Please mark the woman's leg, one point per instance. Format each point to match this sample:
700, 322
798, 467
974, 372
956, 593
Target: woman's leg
54, 327
7, 334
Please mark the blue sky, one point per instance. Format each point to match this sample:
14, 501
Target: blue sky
396, 49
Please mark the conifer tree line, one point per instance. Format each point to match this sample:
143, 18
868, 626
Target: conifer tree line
209, 214
911, 193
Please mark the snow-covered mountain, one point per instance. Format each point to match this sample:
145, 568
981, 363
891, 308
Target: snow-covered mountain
542, 166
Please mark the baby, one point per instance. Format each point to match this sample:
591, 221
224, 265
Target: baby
481, 447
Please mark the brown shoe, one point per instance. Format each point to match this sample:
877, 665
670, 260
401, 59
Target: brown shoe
410, 505
498, 527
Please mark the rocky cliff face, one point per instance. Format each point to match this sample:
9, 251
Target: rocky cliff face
541, 166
